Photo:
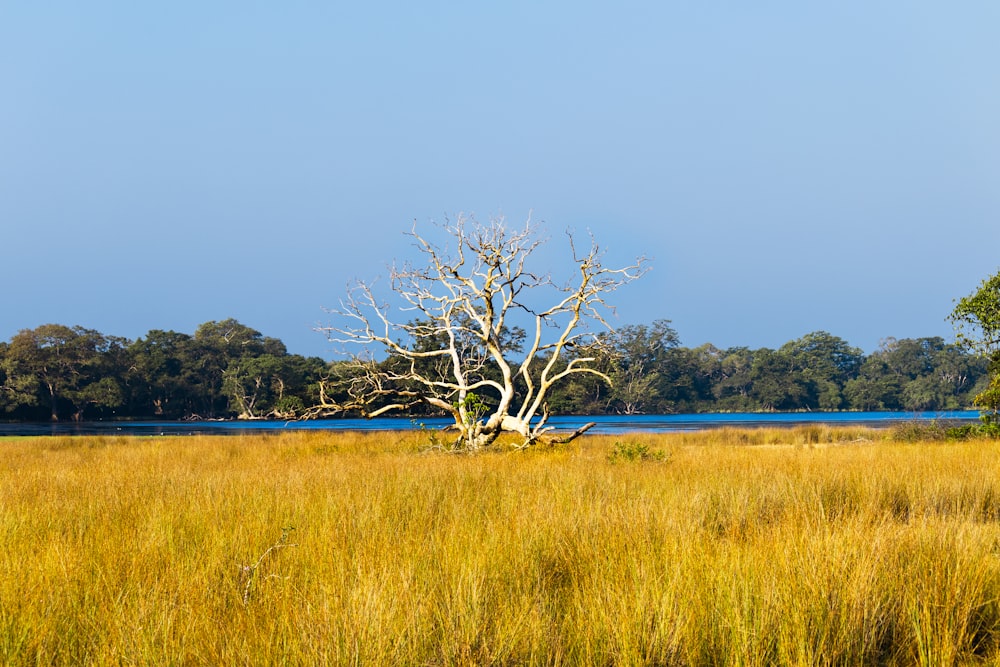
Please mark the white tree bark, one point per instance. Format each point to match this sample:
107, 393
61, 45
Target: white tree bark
454, 351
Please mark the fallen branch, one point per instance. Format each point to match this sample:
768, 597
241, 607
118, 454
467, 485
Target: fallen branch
575, 434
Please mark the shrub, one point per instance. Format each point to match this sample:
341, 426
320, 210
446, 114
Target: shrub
990, 428
636, 451
964, 432
917, 430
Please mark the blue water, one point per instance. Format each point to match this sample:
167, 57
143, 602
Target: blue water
608, 424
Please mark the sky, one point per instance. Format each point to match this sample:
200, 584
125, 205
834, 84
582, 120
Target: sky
787, 167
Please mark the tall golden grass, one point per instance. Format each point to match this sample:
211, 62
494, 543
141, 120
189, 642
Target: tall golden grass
803, 547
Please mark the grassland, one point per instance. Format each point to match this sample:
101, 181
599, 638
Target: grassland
807, 546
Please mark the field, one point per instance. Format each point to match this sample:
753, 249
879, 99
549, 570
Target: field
805, 546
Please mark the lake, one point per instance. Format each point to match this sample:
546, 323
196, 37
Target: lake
608, 424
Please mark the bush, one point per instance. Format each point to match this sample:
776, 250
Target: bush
918, 431
636, 452
990, 428
964, 432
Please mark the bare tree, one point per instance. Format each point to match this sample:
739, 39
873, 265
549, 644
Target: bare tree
456, 352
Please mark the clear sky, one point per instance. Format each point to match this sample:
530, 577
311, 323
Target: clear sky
789, 166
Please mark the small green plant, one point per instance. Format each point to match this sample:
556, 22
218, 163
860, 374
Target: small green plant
474, 408
636, 452
434, 440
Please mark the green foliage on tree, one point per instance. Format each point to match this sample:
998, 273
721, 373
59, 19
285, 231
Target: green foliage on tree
161, 377
68, 369
977, 321
915, 374
640, 363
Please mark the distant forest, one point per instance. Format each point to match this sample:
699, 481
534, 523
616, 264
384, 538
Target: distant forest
228, 370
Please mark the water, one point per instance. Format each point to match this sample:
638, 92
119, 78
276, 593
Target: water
607, 424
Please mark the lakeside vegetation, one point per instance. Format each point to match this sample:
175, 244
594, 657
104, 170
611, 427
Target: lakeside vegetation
229, 370
755, 547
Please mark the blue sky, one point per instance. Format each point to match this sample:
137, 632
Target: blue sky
788, 166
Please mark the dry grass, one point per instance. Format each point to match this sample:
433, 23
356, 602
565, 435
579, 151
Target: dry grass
804, 546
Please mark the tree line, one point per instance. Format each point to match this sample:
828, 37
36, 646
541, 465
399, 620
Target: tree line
652, 373
229, 370
224, 370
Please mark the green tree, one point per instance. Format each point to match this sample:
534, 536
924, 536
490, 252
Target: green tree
685, 379
6, 404
162, 376
215, 347
915, 374
824, 364
639, 357
69, 368
977, 321
270, 385
777, 382
734, 380
876, 386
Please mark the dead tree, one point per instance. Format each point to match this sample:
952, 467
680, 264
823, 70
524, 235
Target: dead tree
455, 352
